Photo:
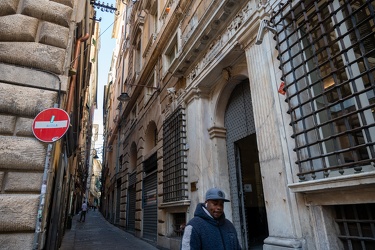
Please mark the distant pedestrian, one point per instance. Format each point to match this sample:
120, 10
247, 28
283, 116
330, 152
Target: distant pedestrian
83, 212
88, 207
209, 229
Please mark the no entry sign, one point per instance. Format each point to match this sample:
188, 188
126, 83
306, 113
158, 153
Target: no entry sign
51, 124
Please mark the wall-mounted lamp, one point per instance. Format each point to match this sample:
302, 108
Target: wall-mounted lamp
124, 97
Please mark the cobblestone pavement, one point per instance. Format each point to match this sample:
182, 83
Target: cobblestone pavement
97, 233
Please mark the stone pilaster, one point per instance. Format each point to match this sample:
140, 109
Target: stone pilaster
284, 232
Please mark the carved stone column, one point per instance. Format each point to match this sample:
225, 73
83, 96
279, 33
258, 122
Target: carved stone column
281, 204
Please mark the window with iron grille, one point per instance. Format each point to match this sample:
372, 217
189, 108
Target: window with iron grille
356, 225
327, 57
174, 157
178, 224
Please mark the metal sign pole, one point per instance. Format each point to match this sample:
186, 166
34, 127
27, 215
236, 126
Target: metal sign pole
38, 229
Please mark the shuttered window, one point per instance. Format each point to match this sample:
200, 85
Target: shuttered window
150, 198
131, 202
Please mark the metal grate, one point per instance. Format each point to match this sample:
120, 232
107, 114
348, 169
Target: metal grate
150, 208
179, 223
131, 202
174, 157
356, 226
327, 57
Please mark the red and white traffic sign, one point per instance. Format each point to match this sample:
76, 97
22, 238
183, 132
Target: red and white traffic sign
51, 124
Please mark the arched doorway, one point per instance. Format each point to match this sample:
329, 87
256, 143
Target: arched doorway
244, 171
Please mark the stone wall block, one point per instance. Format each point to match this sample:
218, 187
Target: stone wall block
24, 127
22, 153
55, 35
1, 185
23, 101
17, 241
33, 55
31, 77
139, 196
21, 217
18, 28
48, 11
7, 124
23, 182
65, 2
8, 7
138, 225
162, 216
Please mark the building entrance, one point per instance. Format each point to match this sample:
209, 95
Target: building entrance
249, 214
252, 205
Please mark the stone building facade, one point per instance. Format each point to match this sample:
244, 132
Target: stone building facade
272, 101
39, 44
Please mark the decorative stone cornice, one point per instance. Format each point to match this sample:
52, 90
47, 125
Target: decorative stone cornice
216, 46
248, 36
174, 204
352, 181
193, 94
199, 38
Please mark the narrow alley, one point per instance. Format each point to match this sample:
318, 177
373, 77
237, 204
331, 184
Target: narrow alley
97, 233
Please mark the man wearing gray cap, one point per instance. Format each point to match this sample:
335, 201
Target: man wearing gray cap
209, 229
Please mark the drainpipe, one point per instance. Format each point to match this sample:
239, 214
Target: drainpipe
74, 77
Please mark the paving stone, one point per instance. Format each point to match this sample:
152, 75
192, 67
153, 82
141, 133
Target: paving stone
96, 233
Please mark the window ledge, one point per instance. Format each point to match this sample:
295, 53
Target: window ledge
339, 182
175, 204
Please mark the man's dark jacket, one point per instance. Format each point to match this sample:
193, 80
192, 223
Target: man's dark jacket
204, 232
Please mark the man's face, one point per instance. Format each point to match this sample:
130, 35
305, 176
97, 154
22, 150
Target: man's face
215, 208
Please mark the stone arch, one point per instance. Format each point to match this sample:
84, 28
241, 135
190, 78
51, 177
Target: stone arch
236, 76
217, 132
